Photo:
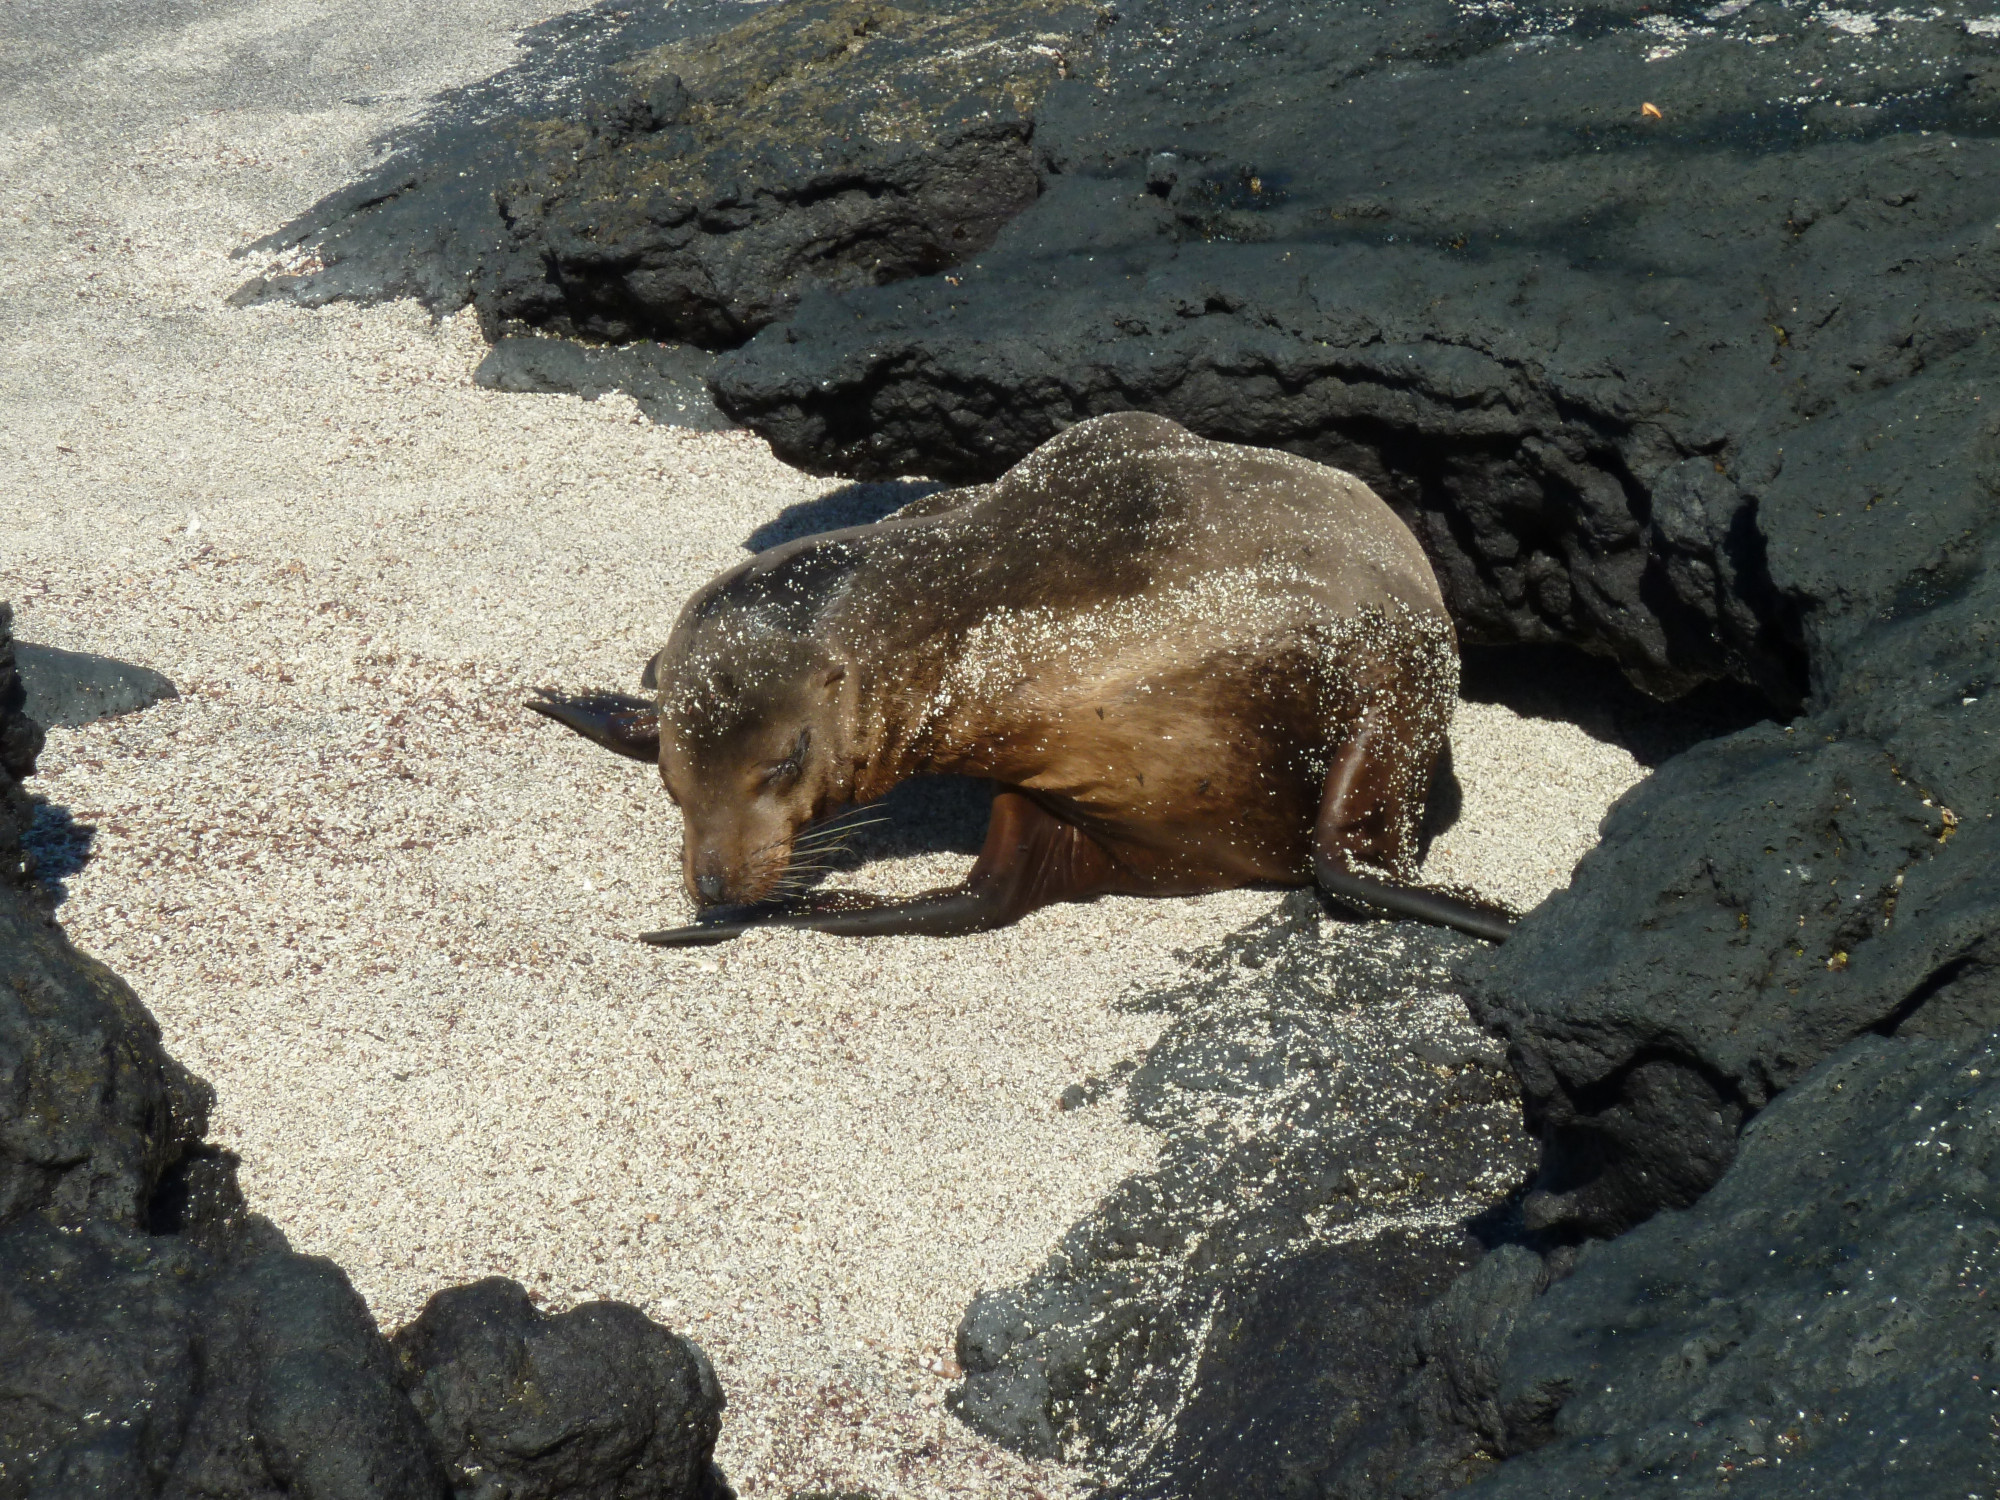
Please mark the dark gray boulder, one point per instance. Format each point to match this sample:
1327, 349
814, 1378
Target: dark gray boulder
1762, 901
1818, 1324
139, 1365
94, 1114
76, 687
598, 1403
157, 1340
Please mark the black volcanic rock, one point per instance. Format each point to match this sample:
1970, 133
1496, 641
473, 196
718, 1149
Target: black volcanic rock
95, 1114
598, 1403
1333, 1120
157, 1340
685, 173
1600, 360
1817, 1325
137, 1365
21, 741
1761, 901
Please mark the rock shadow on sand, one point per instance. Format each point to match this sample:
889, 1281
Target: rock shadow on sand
1562, 682
58, 847
850, 505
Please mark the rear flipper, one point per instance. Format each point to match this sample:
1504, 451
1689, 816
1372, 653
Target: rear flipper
1031, 859
619, 722
1424, 905
1366, 818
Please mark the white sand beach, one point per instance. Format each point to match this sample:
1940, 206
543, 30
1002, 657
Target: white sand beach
390, 915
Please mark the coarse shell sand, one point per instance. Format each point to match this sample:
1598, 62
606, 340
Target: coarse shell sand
390, 915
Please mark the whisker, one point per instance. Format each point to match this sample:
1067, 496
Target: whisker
817, 845
844, 823
823, 846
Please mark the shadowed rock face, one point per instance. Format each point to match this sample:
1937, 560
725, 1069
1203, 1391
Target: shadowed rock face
156, 1339
1816, 1325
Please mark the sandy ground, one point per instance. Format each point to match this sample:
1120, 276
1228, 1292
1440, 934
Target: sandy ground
388, 913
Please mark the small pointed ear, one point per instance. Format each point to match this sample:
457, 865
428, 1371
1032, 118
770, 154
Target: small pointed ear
831, 677
650, 678
625, 726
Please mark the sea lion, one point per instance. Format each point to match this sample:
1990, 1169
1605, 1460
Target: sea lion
1185, 665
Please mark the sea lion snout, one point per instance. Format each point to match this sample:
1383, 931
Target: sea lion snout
737, 855
717, 869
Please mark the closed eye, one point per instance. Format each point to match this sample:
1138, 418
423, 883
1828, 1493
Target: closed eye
787, 770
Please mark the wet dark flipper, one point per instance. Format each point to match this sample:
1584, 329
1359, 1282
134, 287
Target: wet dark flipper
1031, 859
1418, 903
941, 913
1360, 822
619, 722
698, 935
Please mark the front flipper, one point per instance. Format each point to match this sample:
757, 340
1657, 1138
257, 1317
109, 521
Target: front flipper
1031, 859
941, 913
1358, 824
619, 722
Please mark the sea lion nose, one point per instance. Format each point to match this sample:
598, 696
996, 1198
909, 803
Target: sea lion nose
708, 888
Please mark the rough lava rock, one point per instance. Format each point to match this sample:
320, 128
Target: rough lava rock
598, 1403
1599, 359
685, 173
1819, 1324
21, 740
157, 1340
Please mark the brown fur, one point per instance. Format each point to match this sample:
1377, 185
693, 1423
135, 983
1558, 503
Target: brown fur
1162, 643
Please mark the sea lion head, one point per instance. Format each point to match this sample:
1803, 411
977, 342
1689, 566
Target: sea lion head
753, 747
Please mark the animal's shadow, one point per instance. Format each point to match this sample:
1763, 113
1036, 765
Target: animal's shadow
850, 505
927, 815
948, 815
57, 847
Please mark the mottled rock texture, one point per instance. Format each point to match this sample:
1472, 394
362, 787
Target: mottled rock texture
1818, 1324
598, 1403
686, 173
158, 1340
